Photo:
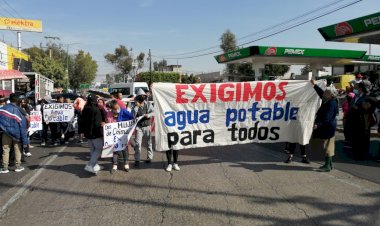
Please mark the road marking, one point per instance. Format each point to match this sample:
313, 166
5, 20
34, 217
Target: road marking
25, 187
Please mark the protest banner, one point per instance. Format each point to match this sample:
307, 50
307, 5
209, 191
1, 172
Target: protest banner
118, 134
58, 112
35, 122
201, 115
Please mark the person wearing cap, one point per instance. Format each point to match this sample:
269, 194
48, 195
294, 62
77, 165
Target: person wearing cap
325, 124
13, 124
145, 109
92, 121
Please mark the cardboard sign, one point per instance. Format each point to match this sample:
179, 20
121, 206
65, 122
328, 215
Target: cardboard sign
118, 134
58, 112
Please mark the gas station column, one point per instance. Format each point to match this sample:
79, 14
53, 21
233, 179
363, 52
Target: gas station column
259, 69
314, 71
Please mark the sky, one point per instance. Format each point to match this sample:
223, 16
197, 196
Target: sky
170, 27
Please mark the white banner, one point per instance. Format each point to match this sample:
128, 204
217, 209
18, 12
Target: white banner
35, 121
118, 134
58, 112
202, 115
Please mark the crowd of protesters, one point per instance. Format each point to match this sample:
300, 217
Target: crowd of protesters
358, 107
92, 112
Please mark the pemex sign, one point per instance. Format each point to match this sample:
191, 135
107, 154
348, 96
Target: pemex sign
353, 27
18, 24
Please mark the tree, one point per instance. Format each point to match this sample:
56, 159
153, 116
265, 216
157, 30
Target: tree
160, 66
122, 61
109, 79
85, 69
228, 43
305, 70
171, 77
50, 68
80, 68
275, 70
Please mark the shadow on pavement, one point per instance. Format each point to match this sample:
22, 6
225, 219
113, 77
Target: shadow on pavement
349, 214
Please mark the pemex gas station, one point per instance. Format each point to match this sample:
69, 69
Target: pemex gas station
360, 30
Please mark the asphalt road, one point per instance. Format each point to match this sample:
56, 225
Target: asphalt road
232, 185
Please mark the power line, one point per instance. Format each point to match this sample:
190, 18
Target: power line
271, 34
265, 29
9, 6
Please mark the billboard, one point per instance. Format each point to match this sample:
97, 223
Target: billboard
18, 24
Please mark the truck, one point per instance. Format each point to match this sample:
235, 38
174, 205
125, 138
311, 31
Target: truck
128, 89
39, 86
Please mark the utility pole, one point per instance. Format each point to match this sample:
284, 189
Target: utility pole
49, 38
150, 67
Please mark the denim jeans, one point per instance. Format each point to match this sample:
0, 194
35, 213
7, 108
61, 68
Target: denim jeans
96, 147
140, 133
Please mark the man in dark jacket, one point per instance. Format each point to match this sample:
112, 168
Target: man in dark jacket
325, 123
13, 124
93, 124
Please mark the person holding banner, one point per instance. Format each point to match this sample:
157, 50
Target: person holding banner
325, 124
142, 108
120, 115
92, 121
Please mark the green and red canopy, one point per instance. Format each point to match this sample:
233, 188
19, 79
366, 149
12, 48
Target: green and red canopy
291, 55
364, 29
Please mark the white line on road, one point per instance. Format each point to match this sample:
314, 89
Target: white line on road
25, 187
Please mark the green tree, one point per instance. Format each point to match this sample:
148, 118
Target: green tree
171, 77
228, 43
305, 70
275, 70
50, 68
85, 69
160, 66
122, 60
109, 79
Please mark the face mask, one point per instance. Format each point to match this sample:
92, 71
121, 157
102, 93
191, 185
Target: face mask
356, 91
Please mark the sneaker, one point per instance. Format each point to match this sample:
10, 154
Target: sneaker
169, 168
43, 144
89, 169
289, 159
176, 167
305, 160
27, 154
148, 161
19, 169
137, 164
56, 144
98, 167
66, 142
31, 146
4, 171
80, 141
126, 168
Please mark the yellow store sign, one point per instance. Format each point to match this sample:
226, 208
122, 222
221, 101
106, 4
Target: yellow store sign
17, 24
14, 53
